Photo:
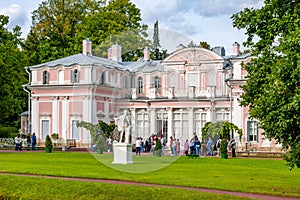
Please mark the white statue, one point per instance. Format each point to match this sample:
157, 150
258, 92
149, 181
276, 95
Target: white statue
124, 126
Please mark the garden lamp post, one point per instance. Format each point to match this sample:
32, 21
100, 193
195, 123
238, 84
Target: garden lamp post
231, 87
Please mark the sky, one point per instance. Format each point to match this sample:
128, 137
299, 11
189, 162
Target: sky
180, 21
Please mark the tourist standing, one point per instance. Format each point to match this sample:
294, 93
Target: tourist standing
28, 141
177, 147
233, 146
210, 144
192, 146
171, 145
186, 147
218, 146
163, 145
174, 153
17, 142
197, 145
33, 141
138, 146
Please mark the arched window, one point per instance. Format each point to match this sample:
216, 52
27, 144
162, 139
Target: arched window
45, 77
140, 85
60, 77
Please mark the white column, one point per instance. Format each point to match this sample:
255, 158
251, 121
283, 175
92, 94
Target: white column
133, 125
64, 121
152, 121
106, 110
55, 115
170, 122
191, 124
35, 117
86, 137
93, 109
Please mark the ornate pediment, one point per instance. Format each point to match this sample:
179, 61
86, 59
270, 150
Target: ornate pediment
192, 56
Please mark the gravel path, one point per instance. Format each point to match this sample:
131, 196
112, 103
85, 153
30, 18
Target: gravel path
239, 194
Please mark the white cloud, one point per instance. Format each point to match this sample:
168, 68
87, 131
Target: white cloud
17, 15
201, 20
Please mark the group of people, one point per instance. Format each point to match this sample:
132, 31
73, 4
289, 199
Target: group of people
193, 146
31, 141
149, 144
174, 146
211, 147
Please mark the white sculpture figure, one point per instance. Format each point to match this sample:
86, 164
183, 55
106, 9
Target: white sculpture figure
124, 126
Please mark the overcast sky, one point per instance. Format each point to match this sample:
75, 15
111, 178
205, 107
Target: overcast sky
180, 21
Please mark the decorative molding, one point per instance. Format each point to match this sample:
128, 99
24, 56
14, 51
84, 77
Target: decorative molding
45, 114
76, 115
55, 98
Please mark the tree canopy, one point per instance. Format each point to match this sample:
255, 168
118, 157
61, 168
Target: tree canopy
59, 26
273, 88
12, 76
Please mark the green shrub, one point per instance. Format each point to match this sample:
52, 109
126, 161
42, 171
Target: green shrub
48, 143
223, 147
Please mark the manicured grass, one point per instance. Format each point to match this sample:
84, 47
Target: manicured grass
13, 187
262, 176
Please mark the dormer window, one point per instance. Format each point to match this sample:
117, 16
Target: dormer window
74, 76
45, 77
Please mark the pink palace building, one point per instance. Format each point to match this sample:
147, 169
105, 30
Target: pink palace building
171, 97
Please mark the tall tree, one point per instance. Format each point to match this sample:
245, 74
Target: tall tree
273, 87
118, 22
12, 76
59, 26
55, 26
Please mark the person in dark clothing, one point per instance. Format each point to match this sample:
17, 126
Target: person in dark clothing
33, 141
28, 141
233, 146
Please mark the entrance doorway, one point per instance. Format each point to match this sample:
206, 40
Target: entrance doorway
162, 125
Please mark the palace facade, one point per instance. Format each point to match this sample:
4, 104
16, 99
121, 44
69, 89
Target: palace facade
172, 97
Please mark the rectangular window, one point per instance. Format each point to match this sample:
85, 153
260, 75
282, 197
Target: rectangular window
45, 77
75, 76
143, 125
75, 130
45, 128
181, 124
220, 116
252, 131
200, 120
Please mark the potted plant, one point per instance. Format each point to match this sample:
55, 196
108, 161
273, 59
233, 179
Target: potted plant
223, 149
48, 144
157, 148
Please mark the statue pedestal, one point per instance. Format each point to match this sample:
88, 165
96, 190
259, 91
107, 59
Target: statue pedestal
122, 153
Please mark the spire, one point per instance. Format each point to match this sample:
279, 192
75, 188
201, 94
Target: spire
156, 36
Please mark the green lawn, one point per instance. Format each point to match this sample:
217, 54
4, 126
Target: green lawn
262, 176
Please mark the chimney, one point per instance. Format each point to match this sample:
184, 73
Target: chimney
87, 47
116, 53
146, 54
109, 53
236, 49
